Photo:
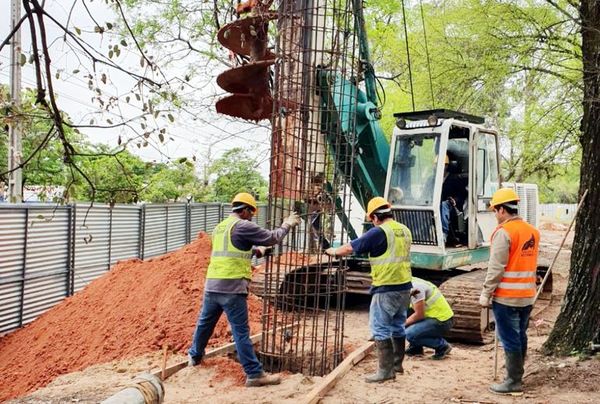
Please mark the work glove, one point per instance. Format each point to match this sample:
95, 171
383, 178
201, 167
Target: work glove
331, 252
485, 301
292, 220
261, 251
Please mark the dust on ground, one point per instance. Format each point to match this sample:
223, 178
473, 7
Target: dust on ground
463, 377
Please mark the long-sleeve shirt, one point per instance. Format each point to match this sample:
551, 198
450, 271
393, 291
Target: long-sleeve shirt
244, 235
499, 254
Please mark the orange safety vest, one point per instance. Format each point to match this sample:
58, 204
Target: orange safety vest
518, 280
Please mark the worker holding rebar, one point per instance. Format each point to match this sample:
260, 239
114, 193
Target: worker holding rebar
227, 279
430, 321
510, 284
388, 247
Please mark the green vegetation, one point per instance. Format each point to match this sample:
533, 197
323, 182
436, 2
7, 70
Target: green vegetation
116, 174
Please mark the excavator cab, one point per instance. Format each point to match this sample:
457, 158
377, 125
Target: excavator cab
443, 170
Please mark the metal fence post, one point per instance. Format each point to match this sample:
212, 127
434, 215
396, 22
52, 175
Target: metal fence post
188, 223
142, 230
69, 250
167, 228
24, 268
73, 247
110, 223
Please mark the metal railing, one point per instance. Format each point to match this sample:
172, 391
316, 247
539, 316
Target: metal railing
48, 252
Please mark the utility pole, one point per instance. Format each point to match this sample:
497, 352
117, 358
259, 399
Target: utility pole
15, 151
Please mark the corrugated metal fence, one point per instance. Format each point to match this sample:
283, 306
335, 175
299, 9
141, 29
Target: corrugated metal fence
563, 212
48, 252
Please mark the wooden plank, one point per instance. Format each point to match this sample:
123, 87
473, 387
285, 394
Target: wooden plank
319, 391
225, 349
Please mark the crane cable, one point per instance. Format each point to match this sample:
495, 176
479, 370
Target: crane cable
427, 53
412, 93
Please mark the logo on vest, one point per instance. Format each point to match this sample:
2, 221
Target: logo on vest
529, 244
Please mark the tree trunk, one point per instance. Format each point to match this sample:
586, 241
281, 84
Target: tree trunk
579, 320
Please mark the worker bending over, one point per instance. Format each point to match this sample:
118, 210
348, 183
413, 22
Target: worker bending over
430, 321
227, 279
510, 284
388, 247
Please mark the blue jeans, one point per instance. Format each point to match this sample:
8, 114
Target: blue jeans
428, 332
235, 307
387, 314
511, 324
445, 218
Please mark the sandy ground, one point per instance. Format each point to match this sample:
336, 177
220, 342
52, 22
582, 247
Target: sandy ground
461, 378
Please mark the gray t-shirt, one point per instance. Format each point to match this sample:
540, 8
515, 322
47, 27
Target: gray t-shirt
245, 235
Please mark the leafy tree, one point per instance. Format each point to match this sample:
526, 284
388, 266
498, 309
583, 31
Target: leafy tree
42, 150
172, 183
236, 172
517, 63
578, 323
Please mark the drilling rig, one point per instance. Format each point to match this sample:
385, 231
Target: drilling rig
306, 67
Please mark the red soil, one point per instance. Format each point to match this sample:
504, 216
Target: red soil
135, 308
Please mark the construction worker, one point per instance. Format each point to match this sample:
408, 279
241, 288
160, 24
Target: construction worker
388, 247
510, 284
227, 279
430, 321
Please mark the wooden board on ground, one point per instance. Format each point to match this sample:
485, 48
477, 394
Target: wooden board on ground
317, 393
225, 349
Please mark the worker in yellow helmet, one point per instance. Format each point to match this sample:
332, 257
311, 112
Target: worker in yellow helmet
227, 279
510, 284
388, 247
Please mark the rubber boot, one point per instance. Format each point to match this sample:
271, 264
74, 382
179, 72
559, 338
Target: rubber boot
263, 380
514, 371
399, 350
385, 356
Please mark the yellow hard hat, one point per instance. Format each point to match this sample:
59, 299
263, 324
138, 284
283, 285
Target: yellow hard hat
502, 196
245, 198
375, 204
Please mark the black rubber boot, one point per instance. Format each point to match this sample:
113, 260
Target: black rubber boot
414, 350
385, 356
399, 349
514, 370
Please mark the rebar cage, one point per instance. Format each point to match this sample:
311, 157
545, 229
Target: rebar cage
310, 172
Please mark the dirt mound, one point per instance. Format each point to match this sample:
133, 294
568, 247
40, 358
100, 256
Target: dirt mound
135, 308
553, 226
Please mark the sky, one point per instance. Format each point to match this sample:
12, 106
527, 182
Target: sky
204, 135
188, 136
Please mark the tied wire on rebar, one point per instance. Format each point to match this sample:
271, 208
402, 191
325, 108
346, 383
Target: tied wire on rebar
311, 168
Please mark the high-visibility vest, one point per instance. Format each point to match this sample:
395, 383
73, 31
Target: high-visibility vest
226, 261
393, 267
436, 305
518, 280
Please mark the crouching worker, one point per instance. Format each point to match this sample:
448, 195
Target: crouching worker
227, 279
430, 321
388, 247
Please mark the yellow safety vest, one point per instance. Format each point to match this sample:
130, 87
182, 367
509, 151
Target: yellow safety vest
393, 267
226, 261
436, 305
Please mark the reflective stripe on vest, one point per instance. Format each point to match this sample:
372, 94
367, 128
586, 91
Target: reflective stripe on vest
519, 278
226, 261
436, 305
393, 266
